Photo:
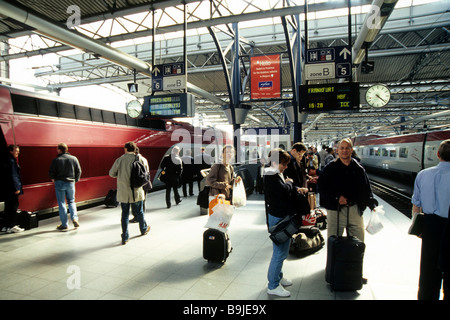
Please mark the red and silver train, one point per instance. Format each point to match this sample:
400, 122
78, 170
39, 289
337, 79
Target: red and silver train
403, 155
37, 123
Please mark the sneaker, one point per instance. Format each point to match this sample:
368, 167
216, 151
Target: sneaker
16, 229
279, 291
61, 228
75, 223
285, 282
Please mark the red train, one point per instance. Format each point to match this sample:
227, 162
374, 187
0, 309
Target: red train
37, 123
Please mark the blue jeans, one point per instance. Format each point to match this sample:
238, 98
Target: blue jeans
280, 253
138, 212
66, 190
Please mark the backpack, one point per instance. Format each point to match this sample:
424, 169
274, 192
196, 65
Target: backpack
139, 174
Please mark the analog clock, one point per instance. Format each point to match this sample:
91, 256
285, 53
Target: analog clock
134, 108
378, 95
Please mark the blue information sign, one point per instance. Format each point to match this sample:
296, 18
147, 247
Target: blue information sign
319, 61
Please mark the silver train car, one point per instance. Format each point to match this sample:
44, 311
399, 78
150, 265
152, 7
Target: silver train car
401, 156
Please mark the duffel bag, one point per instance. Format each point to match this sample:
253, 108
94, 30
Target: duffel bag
307, 241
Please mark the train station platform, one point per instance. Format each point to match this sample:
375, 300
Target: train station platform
167, 264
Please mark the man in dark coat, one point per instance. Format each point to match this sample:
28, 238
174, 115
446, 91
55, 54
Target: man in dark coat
12, 191
187, 177
173, 167
344, 183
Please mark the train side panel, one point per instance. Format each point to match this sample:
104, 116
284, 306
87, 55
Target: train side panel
405, 155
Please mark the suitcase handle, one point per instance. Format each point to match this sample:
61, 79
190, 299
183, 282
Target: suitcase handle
348, 213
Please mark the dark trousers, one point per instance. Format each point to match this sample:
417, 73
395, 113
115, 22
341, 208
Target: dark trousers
11, 206
190, 183
431, 276
175, 193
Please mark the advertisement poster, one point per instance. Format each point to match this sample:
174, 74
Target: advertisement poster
265, 76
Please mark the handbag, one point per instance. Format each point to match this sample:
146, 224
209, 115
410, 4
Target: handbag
416, 227
285, 229
300, 203
162, 176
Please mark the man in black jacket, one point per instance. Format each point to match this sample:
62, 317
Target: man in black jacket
13, 188
344, 183
64, 171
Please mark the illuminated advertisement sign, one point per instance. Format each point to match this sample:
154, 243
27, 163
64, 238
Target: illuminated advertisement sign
265, 76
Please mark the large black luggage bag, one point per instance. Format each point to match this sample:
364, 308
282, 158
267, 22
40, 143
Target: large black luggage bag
27, 220
216, 246
345, 257
111, 199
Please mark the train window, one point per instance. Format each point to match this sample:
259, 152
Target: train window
83, 113
403, 153
23, 104
121, 118
377, 152
393, 153
108, 116
66, 110
384, 152
97, 115
48, 108
371, 152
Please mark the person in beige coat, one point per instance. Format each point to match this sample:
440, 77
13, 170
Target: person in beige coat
127, 196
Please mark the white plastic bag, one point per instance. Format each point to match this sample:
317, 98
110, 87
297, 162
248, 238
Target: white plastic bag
374, 226
221, 217
239, 195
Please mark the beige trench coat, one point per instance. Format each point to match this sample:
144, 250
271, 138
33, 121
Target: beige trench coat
121, 170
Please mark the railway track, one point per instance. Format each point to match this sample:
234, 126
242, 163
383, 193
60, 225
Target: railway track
398, 199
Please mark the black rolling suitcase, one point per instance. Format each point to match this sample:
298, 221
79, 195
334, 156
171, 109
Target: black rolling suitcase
111, 199
216, 246
345, 257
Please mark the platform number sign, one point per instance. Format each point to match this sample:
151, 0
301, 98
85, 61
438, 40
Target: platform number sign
171, 76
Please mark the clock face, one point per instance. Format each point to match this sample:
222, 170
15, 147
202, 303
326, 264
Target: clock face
378, 95
134, 109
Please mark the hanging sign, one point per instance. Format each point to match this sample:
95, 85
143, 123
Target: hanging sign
265, 76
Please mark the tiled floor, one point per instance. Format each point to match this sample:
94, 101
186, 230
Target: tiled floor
90, 262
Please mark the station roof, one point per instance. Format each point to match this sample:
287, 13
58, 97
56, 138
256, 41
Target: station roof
411, 53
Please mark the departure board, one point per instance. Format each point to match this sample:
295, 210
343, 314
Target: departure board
168, 106
329, 97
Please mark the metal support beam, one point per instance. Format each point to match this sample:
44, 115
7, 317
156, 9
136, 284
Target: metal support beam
77, 40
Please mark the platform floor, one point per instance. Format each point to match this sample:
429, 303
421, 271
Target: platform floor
167, 264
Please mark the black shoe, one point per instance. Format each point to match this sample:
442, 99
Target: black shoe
181, 199
364, 280
124, 242
61, 228
146, 231
169, 205
134, 220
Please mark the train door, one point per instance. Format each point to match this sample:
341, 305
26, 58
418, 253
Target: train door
4, 126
